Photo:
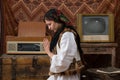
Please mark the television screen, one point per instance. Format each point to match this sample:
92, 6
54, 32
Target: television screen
95, 27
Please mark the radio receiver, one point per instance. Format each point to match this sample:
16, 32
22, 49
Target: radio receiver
29, 40
25, 45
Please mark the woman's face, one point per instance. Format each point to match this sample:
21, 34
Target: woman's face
52, 25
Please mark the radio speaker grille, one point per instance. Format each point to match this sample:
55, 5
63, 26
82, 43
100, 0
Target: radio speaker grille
11, 47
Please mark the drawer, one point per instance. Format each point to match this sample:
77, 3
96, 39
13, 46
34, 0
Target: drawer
97, 50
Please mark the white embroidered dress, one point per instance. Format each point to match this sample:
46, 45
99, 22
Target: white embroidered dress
64, 57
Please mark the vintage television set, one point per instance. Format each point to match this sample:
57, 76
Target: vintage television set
96, 27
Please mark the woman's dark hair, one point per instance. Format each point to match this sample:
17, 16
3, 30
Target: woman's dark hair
59, 17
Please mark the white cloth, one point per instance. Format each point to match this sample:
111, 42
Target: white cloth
64, 57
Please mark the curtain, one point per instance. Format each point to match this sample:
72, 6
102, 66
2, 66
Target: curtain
117, 31
0, 29
10, 23
0, 21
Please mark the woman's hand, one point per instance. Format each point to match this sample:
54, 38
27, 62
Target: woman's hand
46, 45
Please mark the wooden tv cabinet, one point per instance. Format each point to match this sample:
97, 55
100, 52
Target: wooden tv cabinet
101, 48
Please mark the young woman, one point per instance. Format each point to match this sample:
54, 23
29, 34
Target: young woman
64, 49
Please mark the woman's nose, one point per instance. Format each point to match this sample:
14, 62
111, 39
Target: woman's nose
48, 27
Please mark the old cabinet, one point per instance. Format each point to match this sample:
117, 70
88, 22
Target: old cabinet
24, 67
101, 49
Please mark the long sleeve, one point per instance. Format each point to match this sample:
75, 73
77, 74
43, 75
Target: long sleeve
65, 53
